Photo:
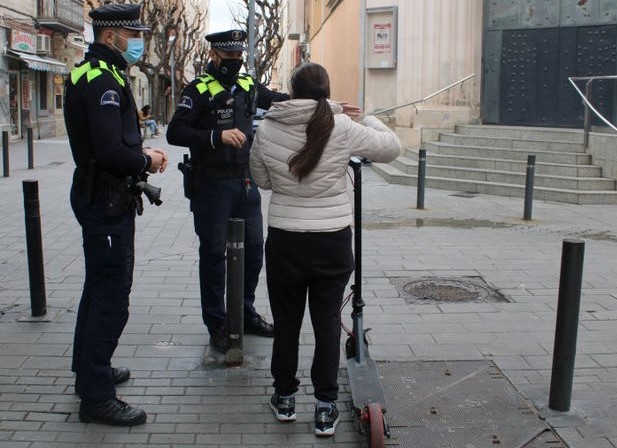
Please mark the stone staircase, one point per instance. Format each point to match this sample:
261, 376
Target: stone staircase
493, 160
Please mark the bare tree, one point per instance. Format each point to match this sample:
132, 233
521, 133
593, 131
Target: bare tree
167, 18
269, 36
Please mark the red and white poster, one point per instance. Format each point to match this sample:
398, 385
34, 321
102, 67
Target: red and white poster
382, 33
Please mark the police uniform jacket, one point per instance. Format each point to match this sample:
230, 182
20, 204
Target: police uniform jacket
101, 115
206, 108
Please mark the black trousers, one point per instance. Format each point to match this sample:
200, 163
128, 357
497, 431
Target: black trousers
109, 254
216, 201
320, 264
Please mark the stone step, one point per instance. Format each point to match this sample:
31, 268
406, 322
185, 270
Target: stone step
516, 143
410, 166
492, 159
522, 132
507, 153
394, 175
555, 169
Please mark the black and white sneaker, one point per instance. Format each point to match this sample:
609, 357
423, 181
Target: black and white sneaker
326, 419
284, 408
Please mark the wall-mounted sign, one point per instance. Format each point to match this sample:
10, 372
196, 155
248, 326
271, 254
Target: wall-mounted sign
381, 41
21, 41
381, 37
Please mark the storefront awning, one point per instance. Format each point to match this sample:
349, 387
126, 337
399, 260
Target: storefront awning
40, 63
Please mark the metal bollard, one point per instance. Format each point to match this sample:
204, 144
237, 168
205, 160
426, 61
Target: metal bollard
30, 149
421, 178
235, 292
5, 153
568, 306
35, 248
531, 167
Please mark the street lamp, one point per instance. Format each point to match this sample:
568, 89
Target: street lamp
172, 63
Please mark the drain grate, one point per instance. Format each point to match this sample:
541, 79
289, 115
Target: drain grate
459, 404
450, 290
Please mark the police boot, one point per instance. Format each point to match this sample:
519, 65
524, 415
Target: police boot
111, 412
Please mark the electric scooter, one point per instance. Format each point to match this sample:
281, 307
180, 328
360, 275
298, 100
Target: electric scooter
368, 399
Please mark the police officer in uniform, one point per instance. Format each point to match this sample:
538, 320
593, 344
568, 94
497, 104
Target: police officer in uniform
111, 170
214, 118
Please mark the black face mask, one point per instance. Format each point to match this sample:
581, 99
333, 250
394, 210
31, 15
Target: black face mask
229, 68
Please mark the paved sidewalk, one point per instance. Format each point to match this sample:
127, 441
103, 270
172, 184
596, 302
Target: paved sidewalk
193, 400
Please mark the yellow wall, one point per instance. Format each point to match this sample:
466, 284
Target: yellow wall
337, 46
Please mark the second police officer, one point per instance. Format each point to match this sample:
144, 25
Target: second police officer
214, 119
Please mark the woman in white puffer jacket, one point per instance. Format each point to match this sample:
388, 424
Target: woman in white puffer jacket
301, 152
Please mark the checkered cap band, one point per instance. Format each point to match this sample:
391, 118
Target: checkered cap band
116, 23
226, 44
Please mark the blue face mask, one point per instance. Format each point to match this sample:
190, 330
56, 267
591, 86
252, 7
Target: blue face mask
134, 49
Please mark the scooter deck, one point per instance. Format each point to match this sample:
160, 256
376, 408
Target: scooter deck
364, 382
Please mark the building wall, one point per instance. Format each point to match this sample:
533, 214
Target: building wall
439, 42
17, 8
336, 45
292, 26
21, 10
35, 100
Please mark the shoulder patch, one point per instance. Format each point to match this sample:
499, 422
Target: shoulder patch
111, 97
186, 102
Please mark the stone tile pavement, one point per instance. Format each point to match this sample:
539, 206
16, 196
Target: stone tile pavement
193, 400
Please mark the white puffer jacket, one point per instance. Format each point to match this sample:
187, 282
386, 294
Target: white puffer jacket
320, 202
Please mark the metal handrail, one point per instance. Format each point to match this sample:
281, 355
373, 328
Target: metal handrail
426, 98
588, 106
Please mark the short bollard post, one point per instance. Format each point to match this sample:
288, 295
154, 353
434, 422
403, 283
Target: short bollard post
5, 153
531, 168
34, 244
421, 178
235, 292
30, 149
568, 306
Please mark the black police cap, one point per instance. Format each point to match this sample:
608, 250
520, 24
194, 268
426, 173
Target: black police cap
232, 40
118, 15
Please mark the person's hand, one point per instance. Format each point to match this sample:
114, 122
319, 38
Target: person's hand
159, 159
233, 137
351, 110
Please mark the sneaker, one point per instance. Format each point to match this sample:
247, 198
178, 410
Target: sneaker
284, 408
259, 326
218, 339
326, 420
111, 412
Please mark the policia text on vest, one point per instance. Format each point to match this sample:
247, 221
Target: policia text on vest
209, 84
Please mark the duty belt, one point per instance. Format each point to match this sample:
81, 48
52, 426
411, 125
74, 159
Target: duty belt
223, 172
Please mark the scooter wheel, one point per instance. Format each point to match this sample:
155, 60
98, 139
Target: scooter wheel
376, 427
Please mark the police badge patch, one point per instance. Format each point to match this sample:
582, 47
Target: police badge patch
111, 97
186, 102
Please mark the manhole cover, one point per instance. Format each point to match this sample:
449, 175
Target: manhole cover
439, 289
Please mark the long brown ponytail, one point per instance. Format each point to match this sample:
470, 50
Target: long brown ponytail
311, 81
